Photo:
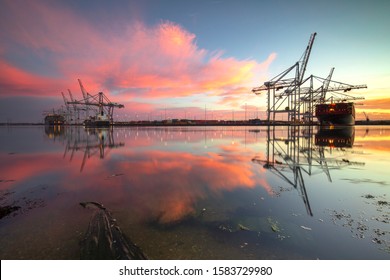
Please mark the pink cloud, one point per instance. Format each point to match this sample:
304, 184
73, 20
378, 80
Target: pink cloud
15, 81
172, 187
134, 61
167, 185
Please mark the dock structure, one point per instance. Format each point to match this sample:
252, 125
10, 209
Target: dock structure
297, 96
91, 109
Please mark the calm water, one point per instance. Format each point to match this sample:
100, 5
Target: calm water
199, 193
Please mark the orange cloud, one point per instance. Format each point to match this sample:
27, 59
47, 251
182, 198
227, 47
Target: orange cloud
376, 109
383, 103
134, 60
373, 138
172, 182
159, 185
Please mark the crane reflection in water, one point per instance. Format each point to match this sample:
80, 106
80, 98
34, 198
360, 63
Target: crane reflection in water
201, 192
292, 155
90, 141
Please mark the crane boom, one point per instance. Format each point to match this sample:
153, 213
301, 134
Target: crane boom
85, 93
65, 100
367, 118
306, 57
278, 82
71, 98
326, 84
70, 95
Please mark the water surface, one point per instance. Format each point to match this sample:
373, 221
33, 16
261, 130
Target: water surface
199, 192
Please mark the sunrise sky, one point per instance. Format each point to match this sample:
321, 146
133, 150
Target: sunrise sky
179, 57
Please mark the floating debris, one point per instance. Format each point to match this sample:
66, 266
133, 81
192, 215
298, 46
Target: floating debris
359, 235
367, 181
361, 229
383, 219
12, 204
377, 241
241, 227
7, 210
278, 192
5, 194
6, 181
305, 228
274, 225
381, 202
196, 249
282, 237
223, 228
275, 228
115, 175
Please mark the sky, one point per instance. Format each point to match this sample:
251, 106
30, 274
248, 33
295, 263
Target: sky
180, 59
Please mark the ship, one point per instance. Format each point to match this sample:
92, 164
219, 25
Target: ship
100, 120
341, 113
335, 136
54, 119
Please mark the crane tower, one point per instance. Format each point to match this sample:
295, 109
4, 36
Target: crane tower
297, 96
286, 101
100, 102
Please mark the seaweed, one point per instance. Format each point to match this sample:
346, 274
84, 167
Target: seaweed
8, 209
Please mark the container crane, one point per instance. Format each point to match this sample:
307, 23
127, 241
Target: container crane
68, 113
329, 91
287, 100
298, 99
326, 84
305, 59
76, 110
83, 91
85, 97
367, 118
104, 106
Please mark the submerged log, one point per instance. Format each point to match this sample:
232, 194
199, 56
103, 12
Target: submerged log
104, 240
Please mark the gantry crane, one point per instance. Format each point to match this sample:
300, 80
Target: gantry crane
367, 118
99, 100
299, 96
68, 113
76, 109
86, 97
286, 101
316, 90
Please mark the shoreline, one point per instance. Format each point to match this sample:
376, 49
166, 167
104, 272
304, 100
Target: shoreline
211, 123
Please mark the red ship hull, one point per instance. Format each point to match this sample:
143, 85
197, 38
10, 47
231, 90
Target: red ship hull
336, 113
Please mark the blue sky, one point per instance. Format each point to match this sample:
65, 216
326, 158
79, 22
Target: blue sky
227, 47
